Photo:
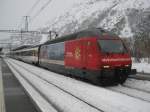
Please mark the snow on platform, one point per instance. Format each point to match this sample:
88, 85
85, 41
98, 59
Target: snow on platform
43, 105
2, 104
99, 97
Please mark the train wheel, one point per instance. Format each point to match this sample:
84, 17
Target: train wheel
122, 78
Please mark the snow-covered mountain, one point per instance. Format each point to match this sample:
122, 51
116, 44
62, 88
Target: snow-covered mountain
18, 39
124, 17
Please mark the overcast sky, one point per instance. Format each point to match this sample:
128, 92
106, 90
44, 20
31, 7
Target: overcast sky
12, 12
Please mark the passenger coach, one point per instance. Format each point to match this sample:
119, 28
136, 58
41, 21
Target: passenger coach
26, 53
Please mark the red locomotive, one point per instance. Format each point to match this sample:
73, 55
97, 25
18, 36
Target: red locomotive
93, 54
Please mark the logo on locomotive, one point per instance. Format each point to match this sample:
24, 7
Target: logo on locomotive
77, 53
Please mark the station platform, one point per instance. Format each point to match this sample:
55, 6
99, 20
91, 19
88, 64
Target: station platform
13, 97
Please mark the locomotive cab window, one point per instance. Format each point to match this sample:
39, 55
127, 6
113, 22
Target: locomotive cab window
112, 46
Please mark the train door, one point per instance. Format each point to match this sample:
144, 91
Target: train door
84, 54
74, 54
92, 56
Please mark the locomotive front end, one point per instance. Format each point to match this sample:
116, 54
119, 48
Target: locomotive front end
115, 60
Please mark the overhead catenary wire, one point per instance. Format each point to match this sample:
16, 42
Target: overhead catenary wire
33, 7
28, 13
40, 10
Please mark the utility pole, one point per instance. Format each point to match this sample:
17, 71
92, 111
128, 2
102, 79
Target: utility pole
26, 23
21, 35
50, 36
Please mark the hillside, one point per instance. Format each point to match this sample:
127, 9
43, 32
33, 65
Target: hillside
124, 17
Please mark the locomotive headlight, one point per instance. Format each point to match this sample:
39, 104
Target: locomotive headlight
106, 66
127, 65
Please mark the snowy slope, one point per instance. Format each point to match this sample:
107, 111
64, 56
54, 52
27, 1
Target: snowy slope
120, 16
123, 17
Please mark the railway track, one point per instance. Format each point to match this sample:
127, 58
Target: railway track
141, 85
135, 89
79, 94
141, 76
143, 73
132, 92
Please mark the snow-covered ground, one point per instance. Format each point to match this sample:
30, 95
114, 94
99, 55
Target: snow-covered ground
142, 67
138, 84
50, 85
